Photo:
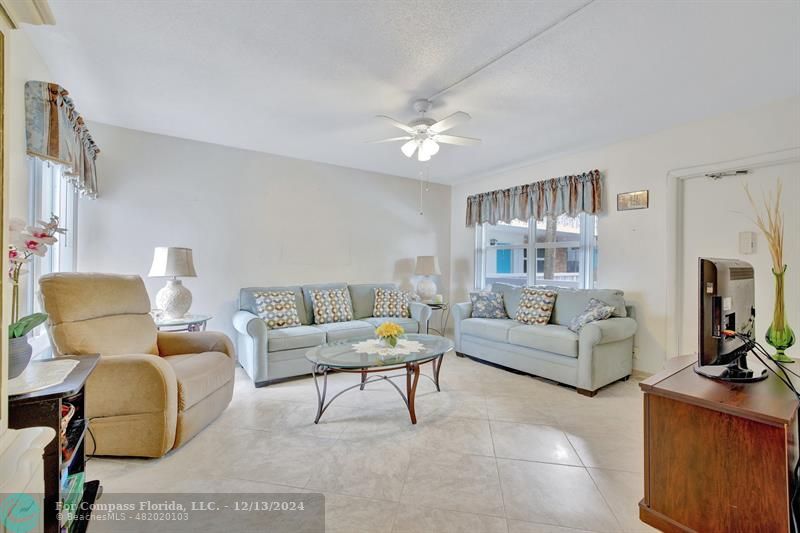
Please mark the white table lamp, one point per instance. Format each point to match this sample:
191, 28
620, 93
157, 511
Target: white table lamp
427, 266
174, 300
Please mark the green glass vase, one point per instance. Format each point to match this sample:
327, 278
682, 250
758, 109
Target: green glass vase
779, 335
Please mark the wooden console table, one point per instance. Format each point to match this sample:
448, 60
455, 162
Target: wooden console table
718, 456
43, 408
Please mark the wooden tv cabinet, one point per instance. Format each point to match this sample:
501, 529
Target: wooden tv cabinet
717, 456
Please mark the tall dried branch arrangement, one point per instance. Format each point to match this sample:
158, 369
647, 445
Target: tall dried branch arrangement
770, 222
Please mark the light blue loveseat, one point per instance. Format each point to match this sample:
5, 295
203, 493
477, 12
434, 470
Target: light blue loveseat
272, 355
600, 354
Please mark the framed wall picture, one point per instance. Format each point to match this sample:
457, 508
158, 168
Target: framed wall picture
633, 200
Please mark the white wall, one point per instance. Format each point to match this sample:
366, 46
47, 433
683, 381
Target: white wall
632, 244
252, 218
722, 219
23, 63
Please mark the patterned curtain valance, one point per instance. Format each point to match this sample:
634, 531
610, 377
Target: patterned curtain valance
568, 195
55, 131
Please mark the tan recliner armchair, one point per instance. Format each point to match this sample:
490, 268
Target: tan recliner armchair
151, 391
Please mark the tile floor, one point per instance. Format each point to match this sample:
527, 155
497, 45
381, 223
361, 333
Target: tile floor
493, 452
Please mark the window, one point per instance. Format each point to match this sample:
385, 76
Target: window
50, 194
564, 250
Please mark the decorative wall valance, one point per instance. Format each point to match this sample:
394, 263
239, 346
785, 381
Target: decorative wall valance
56, 132
568, 195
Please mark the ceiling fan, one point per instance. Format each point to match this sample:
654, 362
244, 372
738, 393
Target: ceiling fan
424, 134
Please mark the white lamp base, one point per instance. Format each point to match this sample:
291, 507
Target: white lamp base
426, 288
174, 299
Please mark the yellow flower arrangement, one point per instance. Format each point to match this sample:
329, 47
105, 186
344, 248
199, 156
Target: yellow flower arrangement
389, 331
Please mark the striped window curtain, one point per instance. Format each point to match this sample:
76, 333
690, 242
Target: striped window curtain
567, 195
55, 132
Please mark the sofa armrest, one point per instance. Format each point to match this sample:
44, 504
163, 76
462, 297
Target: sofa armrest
251, 344
133, 384
179, 343
605, 331
460, 312
421, 313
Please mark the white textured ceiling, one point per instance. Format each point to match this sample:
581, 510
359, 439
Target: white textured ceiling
305, 79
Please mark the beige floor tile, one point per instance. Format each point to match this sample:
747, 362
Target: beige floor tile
456, 482
553, 494
453, 434
518, 526
622, 491
616, 449
519, 409
429, 520
367, 469
368, 457
532, 443
449, 403
348, 514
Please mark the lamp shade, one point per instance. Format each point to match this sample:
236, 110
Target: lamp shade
171, 262
427, 265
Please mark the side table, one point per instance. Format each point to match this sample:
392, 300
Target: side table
444, 316
65, 455
185, 323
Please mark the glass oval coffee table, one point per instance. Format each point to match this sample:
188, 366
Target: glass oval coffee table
365, 355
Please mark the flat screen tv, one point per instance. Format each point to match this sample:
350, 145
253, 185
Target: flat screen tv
726, 319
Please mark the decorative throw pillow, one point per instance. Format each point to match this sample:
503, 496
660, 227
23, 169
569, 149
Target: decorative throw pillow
595, 310
391, 303
278, 309
488, 305
536, 305
331, 305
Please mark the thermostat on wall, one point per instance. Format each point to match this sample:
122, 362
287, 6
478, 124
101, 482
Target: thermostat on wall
747, 242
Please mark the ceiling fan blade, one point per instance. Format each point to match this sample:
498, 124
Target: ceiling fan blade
397, 124
455, 139
409, 148
449, 122
403, 138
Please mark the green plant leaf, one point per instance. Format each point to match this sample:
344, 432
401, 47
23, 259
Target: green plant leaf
24, 325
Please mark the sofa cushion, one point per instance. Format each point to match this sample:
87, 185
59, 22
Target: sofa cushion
309, 305
595, 310
572, 302
408, 324
362, 296
337, 331
199, 375
331, 305
277, 308
248, 300
546, 337
511, 295
536, 305
391, 303
494, 329
279, 340
487, 305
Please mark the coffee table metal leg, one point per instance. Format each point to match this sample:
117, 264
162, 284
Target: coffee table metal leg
437, 365
411, 388
363, 379
320, 396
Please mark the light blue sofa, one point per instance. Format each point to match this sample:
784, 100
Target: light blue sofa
273, 355
600, 354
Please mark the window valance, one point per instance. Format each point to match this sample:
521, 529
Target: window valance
568, 195
55, 131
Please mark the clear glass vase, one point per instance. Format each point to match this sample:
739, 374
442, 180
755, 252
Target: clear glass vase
779, 335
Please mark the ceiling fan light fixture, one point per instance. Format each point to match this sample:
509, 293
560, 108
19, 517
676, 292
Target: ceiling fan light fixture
409, 148
423, 156
430, 146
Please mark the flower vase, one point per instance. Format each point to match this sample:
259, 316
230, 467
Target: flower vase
388, 342
779, 335
19, 351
